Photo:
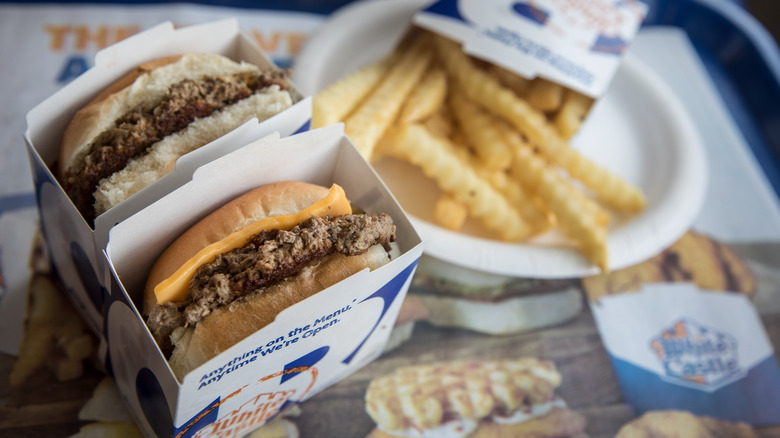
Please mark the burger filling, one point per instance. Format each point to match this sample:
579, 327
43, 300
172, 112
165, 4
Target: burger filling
269, 257
137, 130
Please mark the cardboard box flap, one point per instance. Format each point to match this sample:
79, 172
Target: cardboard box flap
576, 44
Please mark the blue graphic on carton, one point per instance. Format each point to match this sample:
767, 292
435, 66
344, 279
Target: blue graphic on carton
447, 8
698, 356
266, 406
614, 45
702, 374
531, 12
754, 399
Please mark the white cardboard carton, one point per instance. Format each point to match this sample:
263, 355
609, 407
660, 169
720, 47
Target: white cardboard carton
308, 347
75, 247
578, 44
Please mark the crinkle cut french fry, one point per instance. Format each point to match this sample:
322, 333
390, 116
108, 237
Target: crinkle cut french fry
434, 155
492, 152
426, 98
485, 128
601, 216
37, 344
381, 107
609, 188
333, 104
509, 79
440, 123
55, 336
66, 368
545, 95
573, 110
486, 91
574, 218
533, 209
449, 213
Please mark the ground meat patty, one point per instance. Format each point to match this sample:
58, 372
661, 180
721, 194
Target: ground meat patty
136, 131
269, 257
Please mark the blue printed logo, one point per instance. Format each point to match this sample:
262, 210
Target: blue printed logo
697, 356
531, 12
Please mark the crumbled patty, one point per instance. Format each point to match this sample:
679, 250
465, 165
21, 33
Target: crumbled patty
269, 257
134, 132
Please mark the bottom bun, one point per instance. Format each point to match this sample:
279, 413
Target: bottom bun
226, 326
558, 423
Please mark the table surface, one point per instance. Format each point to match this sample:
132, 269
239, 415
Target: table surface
46, 408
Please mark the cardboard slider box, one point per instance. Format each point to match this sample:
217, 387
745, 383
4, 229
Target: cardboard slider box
76, 247
308, 347
578, 45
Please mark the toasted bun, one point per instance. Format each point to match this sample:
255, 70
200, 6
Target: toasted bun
146, 85
223, 327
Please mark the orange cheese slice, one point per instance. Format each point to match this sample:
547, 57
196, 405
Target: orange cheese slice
176, 287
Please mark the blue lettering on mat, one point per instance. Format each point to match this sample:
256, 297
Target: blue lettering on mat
16, 202
754, 399
73, 68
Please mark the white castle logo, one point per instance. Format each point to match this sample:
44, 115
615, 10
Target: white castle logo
697, 356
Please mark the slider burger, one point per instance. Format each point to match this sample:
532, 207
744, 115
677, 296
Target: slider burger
457, 296
231, 273
130, 135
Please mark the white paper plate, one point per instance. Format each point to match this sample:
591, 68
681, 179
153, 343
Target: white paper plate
638, 130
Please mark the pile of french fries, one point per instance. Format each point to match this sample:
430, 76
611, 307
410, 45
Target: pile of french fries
495, 143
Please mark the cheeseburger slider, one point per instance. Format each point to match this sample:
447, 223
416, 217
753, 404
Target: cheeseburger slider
231, 273
460, 297
130, 135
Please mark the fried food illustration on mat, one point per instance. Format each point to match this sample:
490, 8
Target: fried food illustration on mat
502, 398
680, 424
55, 336
695, 258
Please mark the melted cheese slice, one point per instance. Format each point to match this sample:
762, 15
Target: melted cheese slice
176, 287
